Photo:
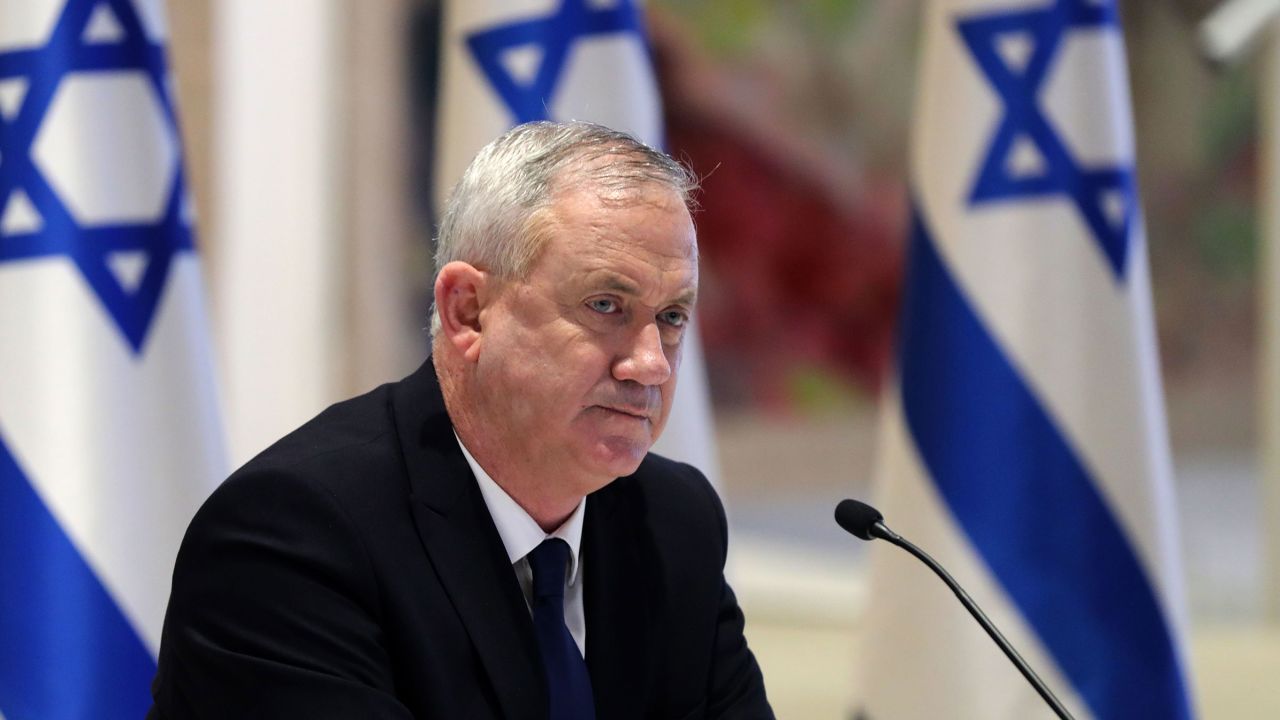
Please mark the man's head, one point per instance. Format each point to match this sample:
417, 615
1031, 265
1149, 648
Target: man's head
567, 272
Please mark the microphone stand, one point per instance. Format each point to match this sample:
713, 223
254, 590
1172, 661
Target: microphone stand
880, 530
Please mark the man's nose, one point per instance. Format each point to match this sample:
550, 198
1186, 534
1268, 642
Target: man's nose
644, 360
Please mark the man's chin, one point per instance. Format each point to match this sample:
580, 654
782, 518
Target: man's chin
617, 457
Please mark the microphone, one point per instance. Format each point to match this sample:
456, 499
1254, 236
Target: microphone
862, 520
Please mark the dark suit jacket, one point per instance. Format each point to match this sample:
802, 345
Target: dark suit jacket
352, 570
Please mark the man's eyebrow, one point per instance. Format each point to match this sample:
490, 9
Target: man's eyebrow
688, 297
619, 284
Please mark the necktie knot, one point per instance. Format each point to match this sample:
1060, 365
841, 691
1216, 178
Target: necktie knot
549, 562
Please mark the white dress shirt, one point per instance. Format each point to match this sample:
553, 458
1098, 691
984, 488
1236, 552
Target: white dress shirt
521, 534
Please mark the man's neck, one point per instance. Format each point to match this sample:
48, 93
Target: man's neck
549, 512
536, 497
539, 493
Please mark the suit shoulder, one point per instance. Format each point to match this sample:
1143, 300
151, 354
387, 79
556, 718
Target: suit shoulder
351, 440
328, 484
350, 426
346, 460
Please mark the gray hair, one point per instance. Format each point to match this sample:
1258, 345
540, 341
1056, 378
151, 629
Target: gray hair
487, 219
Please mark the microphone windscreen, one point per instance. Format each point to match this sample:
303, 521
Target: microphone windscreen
857, 518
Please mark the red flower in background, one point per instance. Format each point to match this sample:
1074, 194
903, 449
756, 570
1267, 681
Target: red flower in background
795, 277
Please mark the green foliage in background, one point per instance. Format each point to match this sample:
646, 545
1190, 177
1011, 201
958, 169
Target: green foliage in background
731, 28
816, 391
1230, 115
830, 18
726, 27
1224, 231
1226, 240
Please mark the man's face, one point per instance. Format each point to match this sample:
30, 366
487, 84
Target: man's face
578, 361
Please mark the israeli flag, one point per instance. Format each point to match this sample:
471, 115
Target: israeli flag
505, 62
109, 437
1024, 440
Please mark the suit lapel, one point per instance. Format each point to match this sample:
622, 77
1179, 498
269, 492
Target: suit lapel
463, 544
619, 599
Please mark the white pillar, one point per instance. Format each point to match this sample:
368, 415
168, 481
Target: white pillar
278, 302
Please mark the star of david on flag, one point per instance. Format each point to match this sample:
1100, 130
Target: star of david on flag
525, 60
1028, 158
112, 204
109, 437
1023, 440
505, 62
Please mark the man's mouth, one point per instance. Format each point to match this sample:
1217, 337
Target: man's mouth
637, 413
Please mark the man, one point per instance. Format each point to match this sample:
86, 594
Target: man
454, 545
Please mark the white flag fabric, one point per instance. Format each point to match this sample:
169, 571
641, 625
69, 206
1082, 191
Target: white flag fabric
109, 436
1023, 440
505, 62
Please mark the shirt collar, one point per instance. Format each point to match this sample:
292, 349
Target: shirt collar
520, 533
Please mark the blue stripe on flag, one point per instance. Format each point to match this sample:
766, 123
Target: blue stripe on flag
66, 650
1027, 503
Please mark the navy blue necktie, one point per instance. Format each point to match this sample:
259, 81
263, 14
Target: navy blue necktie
568, 684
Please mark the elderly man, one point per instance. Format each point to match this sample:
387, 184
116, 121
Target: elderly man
489, 537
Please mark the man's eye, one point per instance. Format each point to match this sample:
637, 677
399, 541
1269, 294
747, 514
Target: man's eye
674, 318
603, 305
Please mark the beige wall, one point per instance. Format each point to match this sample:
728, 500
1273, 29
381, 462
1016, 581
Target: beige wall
190, 55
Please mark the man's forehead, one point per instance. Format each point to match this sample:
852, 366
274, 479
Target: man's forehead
594, 205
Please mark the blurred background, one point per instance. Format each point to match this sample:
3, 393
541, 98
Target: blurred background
796, 114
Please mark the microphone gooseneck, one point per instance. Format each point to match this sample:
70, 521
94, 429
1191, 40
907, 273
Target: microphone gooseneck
863, 521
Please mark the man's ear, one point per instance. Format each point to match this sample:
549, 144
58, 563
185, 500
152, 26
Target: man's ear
460, 295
